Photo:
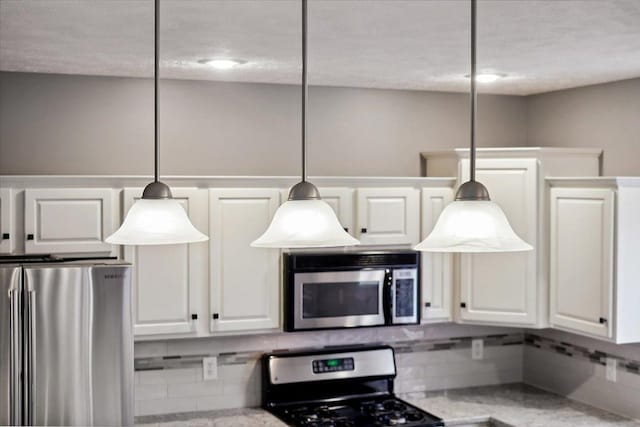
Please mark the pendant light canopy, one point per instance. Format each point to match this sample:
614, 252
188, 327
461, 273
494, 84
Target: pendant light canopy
473, 223
304, 220
157, 218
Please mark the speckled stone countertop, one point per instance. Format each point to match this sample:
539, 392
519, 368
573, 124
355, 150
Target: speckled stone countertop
513, 405
504, 405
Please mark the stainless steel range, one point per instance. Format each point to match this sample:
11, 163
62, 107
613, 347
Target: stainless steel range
338, 387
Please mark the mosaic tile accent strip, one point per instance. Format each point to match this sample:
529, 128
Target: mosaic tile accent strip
410, 346
579, 352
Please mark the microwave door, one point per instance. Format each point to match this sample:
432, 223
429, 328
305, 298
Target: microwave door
338, 299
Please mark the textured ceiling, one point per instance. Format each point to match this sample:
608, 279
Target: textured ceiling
541, 45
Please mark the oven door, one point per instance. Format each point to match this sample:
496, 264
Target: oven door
338, 299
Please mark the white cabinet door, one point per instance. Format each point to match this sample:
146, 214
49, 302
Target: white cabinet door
582, 233
69, 220
437, 268
341, 201
501, 288
388, 216
7, 232
245, 281
169, 281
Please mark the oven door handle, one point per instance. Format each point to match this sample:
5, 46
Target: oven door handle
387, 297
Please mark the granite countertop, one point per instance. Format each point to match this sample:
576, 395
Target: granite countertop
513, 405
499, 406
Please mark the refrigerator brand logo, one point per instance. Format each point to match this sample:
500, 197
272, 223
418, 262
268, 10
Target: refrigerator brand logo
113, 276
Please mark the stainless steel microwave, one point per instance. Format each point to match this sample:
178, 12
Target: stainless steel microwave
345, 290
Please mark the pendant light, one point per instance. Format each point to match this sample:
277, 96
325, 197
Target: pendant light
304, 220
157, 218
473, 223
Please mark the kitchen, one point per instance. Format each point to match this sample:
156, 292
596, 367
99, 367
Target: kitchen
544, 337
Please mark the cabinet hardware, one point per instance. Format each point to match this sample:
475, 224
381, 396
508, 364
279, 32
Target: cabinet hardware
427, 304
194, 317
215, 315
463, 305
603, 320
363, 230
346, 229
6, 236
29, 236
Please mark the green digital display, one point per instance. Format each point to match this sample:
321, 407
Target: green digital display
333, 365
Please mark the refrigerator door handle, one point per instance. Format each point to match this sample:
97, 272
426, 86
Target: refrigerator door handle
14, 358
30, 376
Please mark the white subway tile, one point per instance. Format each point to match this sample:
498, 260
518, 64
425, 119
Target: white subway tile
164, 406
152, 377
150, 391
206, 388
182, 375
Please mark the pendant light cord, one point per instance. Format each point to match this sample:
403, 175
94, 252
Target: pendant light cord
156, 72
472, 152
304, 90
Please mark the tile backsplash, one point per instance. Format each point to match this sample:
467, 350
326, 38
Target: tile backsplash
575, 367
169, 378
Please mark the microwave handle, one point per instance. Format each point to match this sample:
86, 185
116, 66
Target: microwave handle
387, 298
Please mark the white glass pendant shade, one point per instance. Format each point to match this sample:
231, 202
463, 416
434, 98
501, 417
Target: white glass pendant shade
304, 224
156, 222
473, 226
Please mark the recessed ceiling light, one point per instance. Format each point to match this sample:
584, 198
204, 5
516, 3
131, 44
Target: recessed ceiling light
222, 63
488, 77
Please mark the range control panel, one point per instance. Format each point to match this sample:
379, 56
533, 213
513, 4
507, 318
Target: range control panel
332, 365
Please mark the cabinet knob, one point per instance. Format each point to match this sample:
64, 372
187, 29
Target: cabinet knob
346, 229
6, 236
603, 320
363, 230
427, 304
463, 305
29, 236
194, 317
215, 316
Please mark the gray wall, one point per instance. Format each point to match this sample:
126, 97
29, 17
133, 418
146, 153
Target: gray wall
58, 124
604, 116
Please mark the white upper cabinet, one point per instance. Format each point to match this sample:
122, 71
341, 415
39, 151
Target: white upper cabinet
341, 201
511, 289
501, 287
7, 230
437, 268
388, 216
69, 220
594, 268
244, 281
168, 281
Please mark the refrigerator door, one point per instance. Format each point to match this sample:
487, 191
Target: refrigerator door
79, 346
10, 345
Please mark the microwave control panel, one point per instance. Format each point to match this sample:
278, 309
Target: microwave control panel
332, 365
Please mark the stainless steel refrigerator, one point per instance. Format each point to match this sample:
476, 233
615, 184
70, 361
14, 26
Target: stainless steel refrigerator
66, 343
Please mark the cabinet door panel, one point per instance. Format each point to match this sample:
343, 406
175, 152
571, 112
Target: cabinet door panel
7, 232
582, 259
68, 220
437, 268
388, 216
502, 287
168, 280
245, 291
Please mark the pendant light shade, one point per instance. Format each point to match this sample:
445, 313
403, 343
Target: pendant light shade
473, 223
156, 222
304, 220
157, 218
473, 226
